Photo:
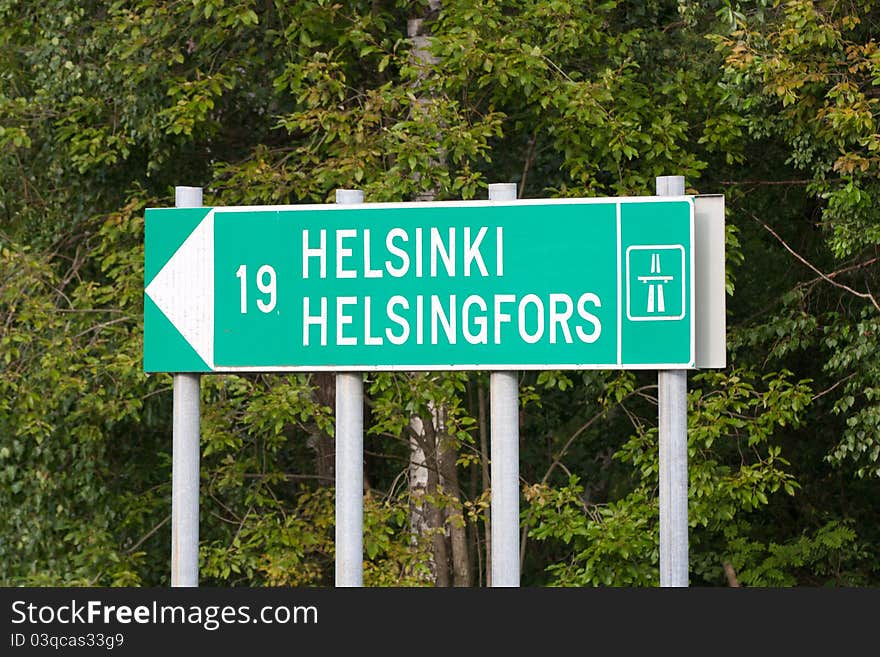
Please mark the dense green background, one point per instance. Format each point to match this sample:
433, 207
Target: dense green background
105, 106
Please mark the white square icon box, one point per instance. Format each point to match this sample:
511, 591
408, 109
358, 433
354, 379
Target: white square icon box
655, 285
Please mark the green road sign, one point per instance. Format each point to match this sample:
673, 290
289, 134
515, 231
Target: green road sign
548, 284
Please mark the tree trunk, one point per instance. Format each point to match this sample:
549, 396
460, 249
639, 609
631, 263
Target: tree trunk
426, 463
323, 444
461, 563
487, 482
419, 514
432, 509
730, 574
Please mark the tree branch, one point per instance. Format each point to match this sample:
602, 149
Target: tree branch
148, 534
827, 390
822, 275
734, 183
530, 158
843, 270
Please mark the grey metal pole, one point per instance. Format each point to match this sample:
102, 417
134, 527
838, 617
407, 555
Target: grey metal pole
185, 456
672, 402
504, 422
349, 462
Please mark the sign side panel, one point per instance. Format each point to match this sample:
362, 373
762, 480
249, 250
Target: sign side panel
709, 279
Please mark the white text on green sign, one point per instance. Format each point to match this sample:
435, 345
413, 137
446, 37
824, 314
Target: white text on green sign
562, 284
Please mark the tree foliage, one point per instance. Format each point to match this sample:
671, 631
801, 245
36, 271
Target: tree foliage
105, 106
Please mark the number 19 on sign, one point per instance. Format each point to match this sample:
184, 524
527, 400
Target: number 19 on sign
267, 283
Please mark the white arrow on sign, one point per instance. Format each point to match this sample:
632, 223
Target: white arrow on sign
184, 289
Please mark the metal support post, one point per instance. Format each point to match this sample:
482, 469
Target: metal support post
349, 461
504, 421
672, 402
185, 456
